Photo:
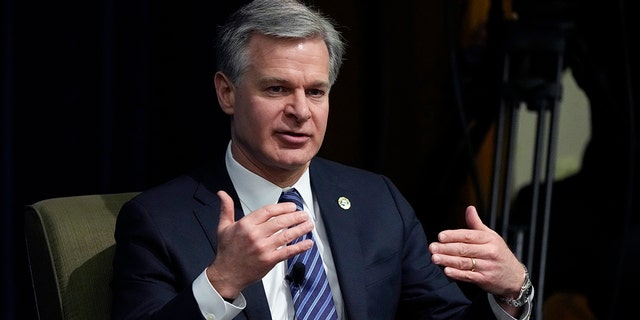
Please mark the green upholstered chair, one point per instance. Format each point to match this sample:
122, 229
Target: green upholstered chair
70, 247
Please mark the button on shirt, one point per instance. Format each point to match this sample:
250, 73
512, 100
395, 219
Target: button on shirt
255, 192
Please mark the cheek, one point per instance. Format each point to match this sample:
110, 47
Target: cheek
256, 124
320, 121
322, 127
321, 118
257, 115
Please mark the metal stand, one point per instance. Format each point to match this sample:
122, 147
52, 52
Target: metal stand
532, 75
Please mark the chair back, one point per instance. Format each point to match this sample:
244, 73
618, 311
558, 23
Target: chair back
70, 247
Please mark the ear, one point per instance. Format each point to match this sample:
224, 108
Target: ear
225, 92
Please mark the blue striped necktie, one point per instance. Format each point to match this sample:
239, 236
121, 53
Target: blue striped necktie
312, 298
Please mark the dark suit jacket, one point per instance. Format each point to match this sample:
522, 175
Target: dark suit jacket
166, 237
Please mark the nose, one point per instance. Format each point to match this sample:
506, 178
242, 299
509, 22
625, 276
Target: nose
298, 106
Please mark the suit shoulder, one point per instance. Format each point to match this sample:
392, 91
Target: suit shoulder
170, 193
345, 174
333, 166
175, 184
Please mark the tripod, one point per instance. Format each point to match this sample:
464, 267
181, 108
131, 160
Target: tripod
532, 73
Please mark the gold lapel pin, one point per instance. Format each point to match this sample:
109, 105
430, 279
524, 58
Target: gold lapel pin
344, 203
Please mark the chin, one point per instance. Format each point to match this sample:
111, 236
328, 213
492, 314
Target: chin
295, 161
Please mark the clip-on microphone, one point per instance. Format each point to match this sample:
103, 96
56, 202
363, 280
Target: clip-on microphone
297, 273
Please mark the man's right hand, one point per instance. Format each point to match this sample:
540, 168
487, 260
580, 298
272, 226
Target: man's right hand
250, 247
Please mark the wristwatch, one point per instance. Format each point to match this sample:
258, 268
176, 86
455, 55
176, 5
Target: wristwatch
525, 292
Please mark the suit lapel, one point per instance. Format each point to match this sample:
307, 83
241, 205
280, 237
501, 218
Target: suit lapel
210, 181
341, 226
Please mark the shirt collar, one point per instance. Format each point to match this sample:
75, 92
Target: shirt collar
255, 192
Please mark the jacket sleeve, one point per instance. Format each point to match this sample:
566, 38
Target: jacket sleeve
145, 283
426, 293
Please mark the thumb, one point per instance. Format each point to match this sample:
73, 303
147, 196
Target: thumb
227, 211
473, 219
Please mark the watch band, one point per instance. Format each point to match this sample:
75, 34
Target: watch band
525, 292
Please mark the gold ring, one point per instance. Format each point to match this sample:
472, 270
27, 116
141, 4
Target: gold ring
473, 264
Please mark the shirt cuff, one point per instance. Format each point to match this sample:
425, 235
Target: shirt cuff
211, 304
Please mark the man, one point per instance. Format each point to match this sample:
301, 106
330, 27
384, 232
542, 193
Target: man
215, 244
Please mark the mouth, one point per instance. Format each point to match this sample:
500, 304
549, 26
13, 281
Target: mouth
296, 134
294, 137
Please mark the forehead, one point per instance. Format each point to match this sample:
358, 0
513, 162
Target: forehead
265, 51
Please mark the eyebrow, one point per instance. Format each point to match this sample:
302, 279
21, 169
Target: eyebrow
272, 80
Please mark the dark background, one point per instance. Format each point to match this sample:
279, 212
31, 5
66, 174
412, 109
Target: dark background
113, 96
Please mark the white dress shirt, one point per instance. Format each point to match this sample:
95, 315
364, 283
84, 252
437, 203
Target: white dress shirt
255, 192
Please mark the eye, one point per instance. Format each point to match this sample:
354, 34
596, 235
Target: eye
275, 89
315, 93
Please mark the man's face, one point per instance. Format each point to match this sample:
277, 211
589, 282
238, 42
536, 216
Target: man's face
281, 105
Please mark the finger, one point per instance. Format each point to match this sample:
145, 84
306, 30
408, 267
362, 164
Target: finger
459, 268
287, 220
473, 219
227, 211
270, 211
455, 249
281, 241
463, 275
286, 236
288, 251
274, 218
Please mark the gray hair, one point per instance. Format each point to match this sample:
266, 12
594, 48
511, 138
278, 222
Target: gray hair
288, 19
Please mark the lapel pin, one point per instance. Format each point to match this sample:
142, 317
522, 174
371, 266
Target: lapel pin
344, 203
